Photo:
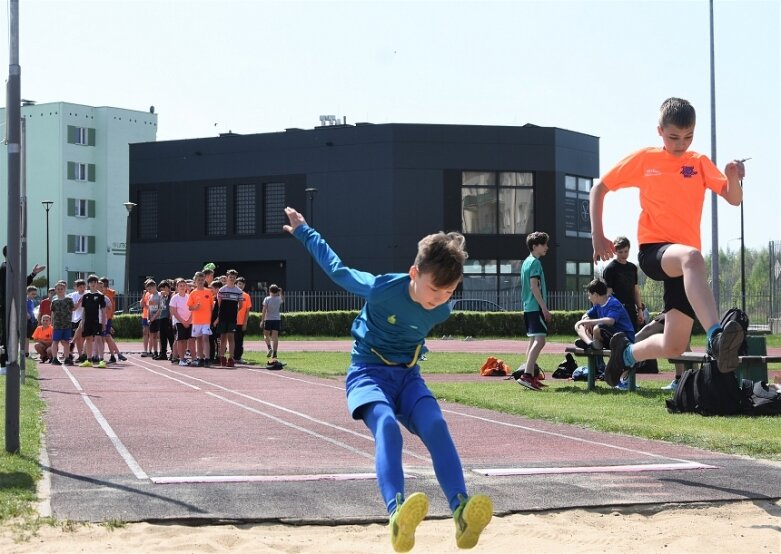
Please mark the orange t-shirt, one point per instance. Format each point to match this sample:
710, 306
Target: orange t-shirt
42, 334
111, 294
241, 317
672, 191
145, 305
203, 315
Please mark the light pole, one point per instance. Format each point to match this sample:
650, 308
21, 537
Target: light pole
47, 204
129, 206
310, 196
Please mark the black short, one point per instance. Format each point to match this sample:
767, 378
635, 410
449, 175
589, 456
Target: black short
225, 327
154, 326
272, 325
650, 260
182, 332
91, 329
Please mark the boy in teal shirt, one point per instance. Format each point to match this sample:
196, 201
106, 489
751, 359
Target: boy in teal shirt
534, 294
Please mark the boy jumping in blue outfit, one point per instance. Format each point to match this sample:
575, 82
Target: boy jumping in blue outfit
384, 386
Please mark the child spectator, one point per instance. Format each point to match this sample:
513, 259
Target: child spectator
62, 311
672, 182
241, 320
200, 304
145, 318
107, 323
271, 320
384, 386
606, 317
534, 294
182, 318
620, 276
43, 338
229, 301
32, 323
77, 343
45, 307
92, 302
165, 331
214, 338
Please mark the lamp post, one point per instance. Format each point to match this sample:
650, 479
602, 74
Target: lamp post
310, 197
129, 206
47, 204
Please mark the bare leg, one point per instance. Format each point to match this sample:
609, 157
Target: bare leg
683, 260
536, 344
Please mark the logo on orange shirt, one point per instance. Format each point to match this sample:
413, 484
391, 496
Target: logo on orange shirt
688, 171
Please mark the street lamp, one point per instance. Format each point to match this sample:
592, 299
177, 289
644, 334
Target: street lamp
310, 197
47, 204
129, 206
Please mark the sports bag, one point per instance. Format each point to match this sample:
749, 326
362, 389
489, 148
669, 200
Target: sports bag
765, 402
707, 391
736, 314
565, 368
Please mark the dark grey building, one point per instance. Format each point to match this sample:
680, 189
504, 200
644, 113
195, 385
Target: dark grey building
379, 189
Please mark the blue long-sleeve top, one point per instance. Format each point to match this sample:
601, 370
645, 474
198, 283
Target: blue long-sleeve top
391, 327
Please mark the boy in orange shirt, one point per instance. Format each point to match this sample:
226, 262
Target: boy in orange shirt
43, 338
241, 320
672, 182
200, 303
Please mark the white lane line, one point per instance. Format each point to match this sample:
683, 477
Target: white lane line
286, 410
118, 445
266, 478
568, 437
591, 469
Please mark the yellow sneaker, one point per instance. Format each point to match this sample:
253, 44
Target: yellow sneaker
102, 364
471, 517
85, 363
406, 519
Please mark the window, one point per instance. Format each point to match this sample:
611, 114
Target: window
147, 214
578, 275
494, 280
274, 207
577, 222
497, 202
217, 210
81, 171
84, 136
80, 207
245, 209
81, 244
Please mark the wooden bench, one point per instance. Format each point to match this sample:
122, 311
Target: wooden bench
753, 367
593, 356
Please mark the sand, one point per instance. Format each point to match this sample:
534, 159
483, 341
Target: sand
708, 528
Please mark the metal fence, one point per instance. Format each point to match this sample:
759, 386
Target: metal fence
758, 305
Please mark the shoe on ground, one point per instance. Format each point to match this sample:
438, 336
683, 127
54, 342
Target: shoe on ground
85, 363
583, 345
230, 363
622, 385
207, 362
82, 358
405, 520
55, 361
102, 364
68, 361
725, 344
112, 359
223, 362
673, 386
183, 363
268, 354
121, 358
529, 382
615, 365
471, 517
144, 354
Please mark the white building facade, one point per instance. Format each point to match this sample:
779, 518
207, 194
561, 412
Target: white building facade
76, 156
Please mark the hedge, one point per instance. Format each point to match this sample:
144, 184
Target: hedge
338, 324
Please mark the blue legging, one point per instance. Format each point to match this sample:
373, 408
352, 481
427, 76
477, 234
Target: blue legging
426, 421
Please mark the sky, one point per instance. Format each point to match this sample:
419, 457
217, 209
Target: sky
596, 67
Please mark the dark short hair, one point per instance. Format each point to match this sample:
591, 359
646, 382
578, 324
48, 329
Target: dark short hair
241, 280
621, 242
535, 238
678, 112
104, 280
597, 286
79, 282
92, 279
274, 289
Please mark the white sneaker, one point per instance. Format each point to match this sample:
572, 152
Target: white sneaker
184, 363
672, 386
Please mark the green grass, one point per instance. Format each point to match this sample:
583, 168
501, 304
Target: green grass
20, 472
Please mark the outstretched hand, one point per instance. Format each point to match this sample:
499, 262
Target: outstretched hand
295, 219
38, 268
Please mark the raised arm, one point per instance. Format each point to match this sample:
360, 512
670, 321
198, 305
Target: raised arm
603, 247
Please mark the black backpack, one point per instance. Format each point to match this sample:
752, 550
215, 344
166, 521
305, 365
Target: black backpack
736, 314
765, 401
707, 391
565, 368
